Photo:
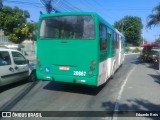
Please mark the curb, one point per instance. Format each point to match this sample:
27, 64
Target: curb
131, 53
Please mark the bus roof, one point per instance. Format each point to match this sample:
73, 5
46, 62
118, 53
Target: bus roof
67, 14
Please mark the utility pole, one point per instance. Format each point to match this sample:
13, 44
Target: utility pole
1, 4
48, 6
143, 37
122, 24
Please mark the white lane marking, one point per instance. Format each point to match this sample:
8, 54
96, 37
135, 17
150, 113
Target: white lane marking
116, 108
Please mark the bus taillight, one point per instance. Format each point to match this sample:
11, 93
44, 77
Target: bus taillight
93, 62
92, 68
93, 65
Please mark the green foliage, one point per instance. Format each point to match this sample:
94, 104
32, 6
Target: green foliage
127, 49
26, 14
131, 27
157, 40
154, 18
13, 21
136, 50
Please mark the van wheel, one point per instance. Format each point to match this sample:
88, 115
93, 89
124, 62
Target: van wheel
32, 76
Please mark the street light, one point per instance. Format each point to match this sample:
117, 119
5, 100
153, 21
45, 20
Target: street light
143, 36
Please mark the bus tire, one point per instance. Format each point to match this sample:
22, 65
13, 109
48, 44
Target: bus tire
32, 76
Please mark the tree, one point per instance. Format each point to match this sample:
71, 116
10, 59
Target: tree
154, 18
131, 27
157, 40
26, 14
13, 21
32, 27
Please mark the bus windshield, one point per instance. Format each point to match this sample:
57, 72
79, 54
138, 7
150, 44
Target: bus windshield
67, 27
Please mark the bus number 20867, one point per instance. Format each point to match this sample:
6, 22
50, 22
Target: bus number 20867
79, 73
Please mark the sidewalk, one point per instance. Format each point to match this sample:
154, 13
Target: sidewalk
141, 91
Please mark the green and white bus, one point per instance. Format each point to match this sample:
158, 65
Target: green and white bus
78, 47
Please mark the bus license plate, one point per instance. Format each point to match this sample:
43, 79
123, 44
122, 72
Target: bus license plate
64, 68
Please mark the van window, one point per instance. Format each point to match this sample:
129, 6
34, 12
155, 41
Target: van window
18, 58
4, 58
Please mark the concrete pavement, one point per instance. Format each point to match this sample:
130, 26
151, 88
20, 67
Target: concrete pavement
140, 91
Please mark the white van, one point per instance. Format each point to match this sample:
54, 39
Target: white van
13, 66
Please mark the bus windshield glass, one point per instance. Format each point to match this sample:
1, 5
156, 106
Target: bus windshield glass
67, 27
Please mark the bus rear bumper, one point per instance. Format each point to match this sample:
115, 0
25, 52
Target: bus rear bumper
70, 79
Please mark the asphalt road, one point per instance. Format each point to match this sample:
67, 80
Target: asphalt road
55, 96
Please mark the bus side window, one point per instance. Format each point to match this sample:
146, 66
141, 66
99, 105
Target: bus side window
122, 42
115, 41
103, 37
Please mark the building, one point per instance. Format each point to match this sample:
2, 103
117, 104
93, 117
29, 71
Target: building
3, 38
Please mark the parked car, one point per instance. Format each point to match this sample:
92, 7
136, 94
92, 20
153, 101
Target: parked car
14, 67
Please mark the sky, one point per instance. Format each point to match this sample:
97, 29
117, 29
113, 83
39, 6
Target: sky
110, 10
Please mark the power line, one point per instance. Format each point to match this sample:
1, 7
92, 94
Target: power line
24, 3
96, 7
14, 1
62, 8
70, 6
67, 6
